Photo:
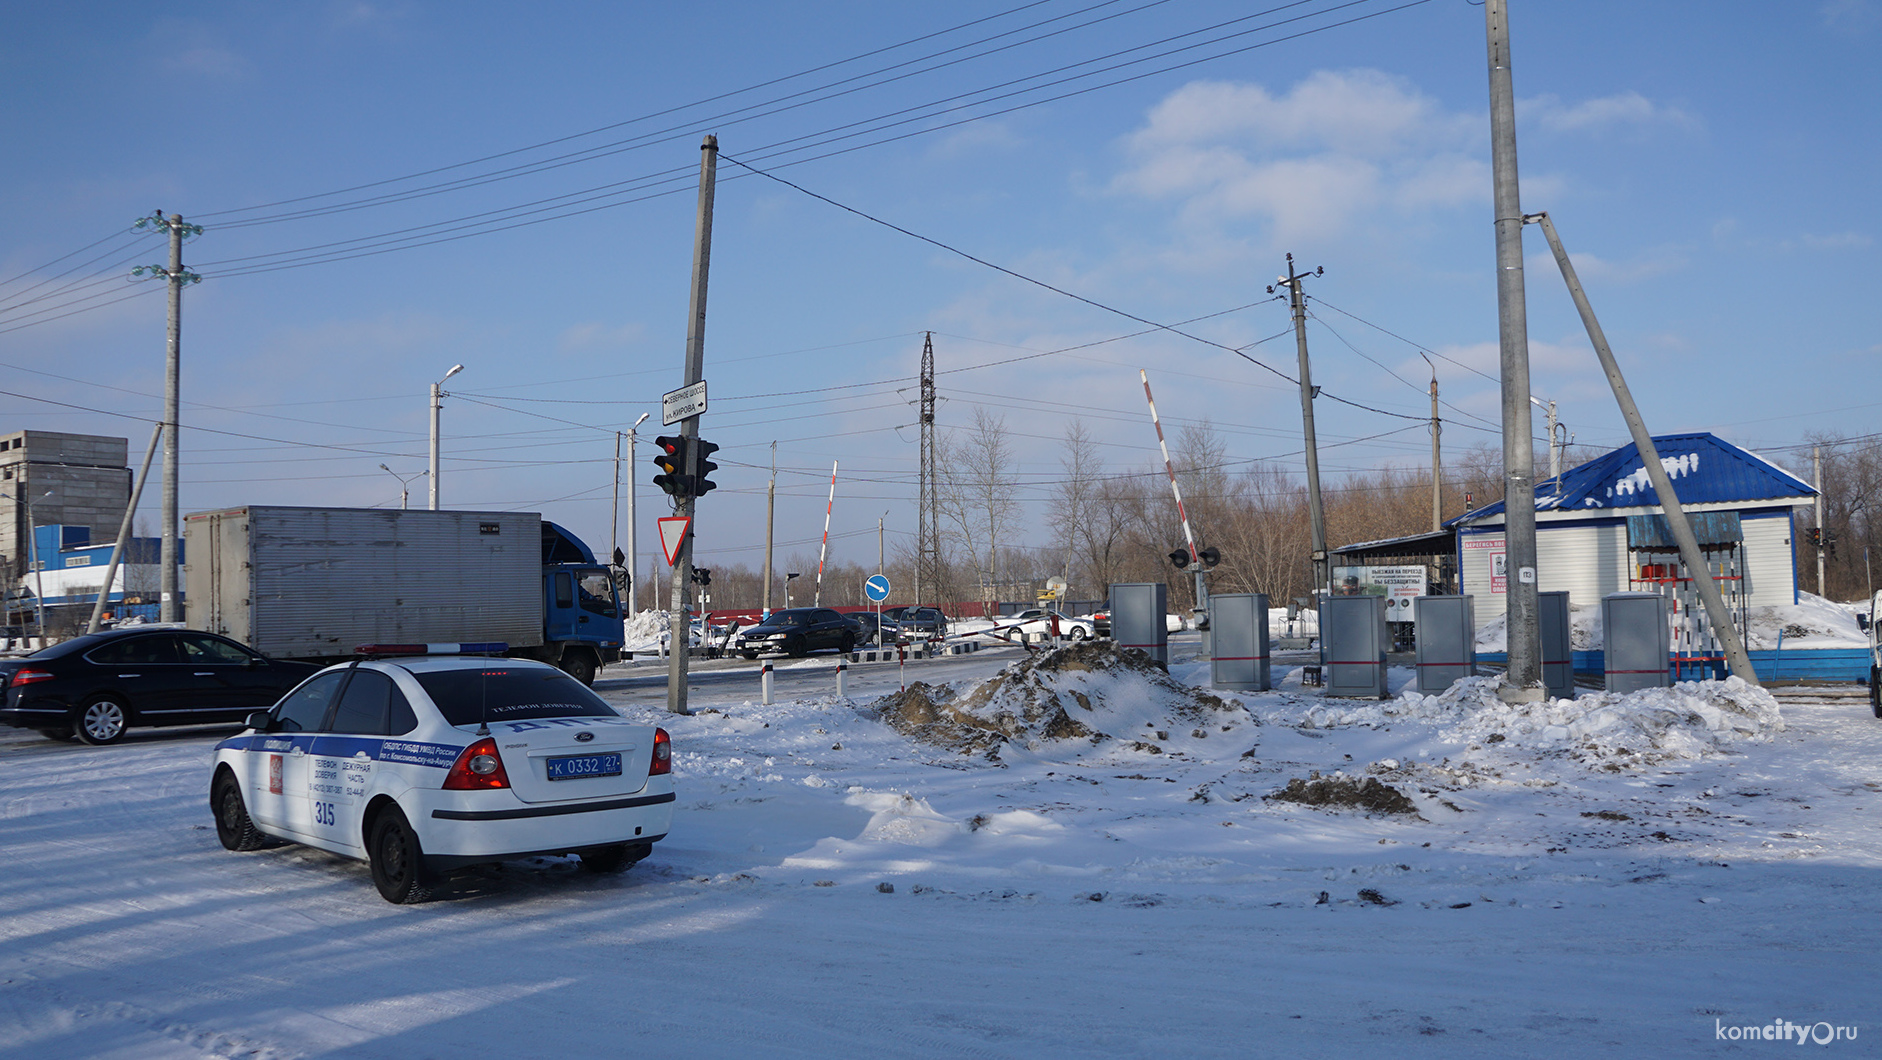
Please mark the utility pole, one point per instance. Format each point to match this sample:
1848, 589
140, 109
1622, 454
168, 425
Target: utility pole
1522, 682
927, 534
633, 552
1437, 478
771, 512
679, 619
437, 402
172, 377
1677, 524
1315, 512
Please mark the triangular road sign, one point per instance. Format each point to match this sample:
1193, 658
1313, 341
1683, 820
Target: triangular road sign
672, 533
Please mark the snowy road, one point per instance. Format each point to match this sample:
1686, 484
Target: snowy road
1112, 903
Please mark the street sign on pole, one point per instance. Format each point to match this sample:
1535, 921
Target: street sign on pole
877, 588
672, 533
683, 404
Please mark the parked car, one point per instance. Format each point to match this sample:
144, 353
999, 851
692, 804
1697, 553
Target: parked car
1037, 622
97, 686
918, 623
1101, 623
887, 631
799, 631
421, 765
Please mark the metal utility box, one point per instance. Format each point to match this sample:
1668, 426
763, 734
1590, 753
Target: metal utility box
1558, 659
1137, 618
1353, 638
1447, 641
317, 582
1239, 624
1637, 641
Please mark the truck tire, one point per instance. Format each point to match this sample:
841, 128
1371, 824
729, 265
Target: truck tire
1875, 690
581, 666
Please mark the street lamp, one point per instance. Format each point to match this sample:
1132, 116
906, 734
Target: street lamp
787, 589
404, 494
633, 554
437, 394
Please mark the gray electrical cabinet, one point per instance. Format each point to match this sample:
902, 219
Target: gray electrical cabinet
1137, 618
1353, 639
1239, 624
1447, 641
1558, 659
1637, 641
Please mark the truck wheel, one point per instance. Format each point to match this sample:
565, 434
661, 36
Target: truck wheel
1875, 690
581, 666
398, 862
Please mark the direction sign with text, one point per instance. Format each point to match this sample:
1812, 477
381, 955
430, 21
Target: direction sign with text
683, 404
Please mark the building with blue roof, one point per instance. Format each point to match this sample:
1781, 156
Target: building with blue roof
1600, 529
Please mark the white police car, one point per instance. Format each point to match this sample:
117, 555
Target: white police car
423, 764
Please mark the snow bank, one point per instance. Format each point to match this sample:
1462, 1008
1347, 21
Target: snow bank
1693, 719
1584, 630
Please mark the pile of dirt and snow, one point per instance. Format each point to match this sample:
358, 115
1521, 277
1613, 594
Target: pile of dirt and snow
642, 632
1693, 719
1340, 790
1089, 693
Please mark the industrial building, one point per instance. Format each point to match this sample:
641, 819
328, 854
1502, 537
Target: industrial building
72, 480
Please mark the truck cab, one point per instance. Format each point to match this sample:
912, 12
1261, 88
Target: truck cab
581, 611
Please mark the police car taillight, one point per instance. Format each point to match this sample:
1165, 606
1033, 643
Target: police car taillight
27, 677
662, 754
477, 767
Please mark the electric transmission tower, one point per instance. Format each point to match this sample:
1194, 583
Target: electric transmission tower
927, 534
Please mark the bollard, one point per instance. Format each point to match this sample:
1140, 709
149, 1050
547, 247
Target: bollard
842, 676
764, 679
901, 658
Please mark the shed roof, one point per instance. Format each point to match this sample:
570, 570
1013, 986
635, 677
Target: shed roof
1705, 469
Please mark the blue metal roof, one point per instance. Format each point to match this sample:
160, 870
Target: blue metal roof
1705, 469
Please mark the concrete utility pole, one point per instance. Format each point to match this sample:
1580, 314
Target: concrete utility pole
405, 491
437, 398
679, 620
1522, 682
771, 513
1316, 513
1681, 528
172, 381
633, 552
124, 532
1437, 477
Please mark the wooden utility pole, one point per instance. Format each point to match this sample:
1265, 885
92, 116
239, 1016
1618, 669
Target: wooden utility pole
1522, 682
679, 619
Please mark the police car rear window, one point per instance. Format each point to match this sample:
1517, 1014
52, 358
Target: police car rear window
499, 693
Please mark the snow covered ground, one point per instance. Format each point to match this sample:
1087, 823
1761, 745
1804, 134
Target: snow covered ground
966, 873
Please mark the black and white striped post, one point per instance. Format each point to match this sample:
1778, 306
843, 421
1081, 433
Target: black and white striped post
842, 676
764, 681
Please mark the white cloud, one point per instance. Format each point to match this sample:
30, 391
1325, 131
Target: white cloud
1335, 147
1624, 109
977, 138
1835, 241
1854, 16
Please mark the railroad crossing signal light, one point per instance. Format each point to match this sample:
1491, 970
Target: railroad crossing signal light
703, 467
670, 456
702, 575
1210, 557
1180, 557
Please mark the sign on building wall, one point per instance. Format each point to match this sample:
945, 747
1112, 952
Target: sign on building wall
1499, 559
1399, 585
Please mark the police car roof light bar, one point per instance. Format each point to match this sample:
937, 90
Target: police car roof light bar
468, 648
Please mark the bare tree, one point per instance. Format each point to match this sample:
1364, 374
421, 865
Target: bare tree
978, 493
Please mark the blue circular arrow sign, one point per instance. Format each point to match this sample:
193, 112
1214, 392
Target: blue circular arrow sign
877, 588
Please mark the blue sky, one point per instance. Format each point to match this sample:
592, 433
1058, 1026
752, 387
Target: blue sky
1711, 166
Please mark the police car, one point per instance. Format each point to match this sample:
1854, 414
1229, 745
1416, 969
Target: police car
419, 762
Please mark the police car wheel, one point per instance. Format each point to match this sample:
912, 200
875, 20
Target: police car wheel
233, 827
101, 721
398, 863
616, 858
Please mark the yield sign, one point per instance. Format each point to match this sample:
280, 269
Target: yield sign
672, 532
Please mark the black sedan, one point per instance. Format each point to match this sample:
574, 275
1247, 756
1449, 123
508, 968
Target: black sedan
96, 686
798, 631
884, 632
919, 623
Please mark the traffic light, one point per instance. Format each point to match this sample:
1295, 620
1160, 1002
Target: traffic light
670, 456
1813, 537
702, 575
1210, 557
1180, 557
703, 467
